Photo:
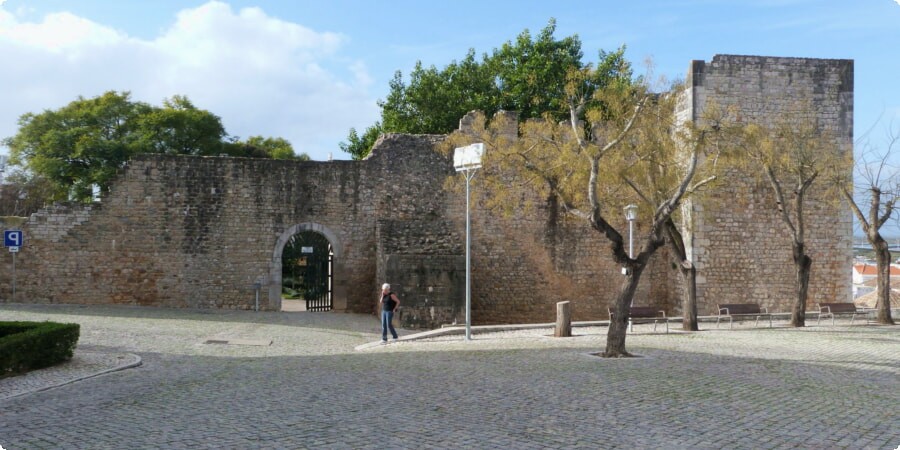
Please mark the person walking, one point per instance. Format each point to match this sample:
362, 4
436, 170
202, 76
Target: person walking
389, 304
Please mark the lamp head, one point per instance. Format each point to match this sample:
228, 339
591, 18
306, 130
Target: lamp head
631, 212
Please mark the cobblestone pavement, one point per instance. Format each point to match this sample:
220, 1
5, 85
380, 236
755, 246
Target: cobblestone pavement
817, 387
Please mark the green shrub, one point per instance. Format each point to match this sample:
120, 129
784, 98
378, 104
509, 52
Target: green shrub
28, 346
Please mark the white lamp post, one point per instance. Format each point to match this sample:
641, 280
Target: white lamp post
467, 160
631, 216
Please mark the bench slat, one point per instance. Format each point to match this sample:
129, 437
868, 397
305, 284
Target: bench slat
730, 310
644, 314
740, 308
838, 307
830, 309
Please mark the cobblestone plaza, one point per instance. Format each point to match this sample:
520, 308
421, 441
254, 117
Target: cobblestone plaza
309, 380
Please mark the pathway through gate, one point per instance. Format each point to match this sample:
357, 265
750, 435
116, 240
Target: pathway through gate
307, 272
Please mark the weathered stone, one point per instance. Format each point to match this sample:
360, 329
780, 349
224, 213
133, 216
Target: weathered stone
198, 232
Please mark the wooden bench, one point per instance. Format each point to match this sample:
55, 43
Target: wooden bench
741, 311
644, 314
831, 309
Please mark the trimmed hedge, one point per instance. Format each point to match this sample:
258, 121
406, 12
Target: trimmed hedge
28, 346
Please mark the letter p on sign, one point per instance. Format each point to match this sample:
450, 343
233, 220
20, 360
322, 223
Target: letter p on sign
12, 238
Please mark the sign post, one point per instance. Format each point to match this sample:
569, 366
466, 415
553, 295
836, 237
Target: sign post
468, 159
13, 239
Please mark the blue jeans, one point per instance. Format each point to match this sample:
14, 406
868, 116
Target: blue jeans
387, 317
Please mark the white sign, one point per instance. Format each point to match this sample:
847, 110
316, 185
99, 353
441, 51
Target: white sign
14, 249
306, 249
468, 157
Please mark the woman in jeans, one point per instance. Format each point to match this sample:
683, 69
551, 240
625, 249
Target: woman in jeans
389, 304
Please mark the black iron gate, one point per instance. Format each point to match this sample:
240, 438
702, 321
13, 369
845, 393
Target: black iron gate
307, 265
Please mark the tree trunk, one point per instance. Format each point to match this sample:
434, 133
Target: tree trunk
883, 291
804, 267
688, 276
689, 302
618, 324
563, 320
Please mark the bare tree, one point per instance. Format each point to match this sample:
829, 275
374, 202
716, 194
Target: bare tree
688, 271
23, 193
877, 183
625, 150
791, 155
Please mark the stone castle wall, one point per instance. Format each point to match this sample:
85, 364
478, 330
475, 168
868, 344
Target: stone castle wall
740, 245
198, 232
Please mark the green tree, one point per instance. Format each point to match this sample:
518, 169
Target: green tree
264, 147
527, 76
80, 144
359, 146
88, 141
532, 72
180, 128
435, 100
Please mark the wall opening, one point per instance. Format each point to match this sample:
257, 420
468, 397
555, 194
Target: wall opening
307, 273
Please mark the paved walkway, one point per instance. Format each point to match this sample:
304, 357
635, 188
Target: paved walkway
297, 381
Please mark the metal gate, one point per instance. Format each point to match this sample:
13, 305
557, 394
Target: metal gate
308, 262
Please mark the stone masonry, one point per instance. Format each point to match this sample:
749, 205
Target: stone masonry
740, 245
199, 232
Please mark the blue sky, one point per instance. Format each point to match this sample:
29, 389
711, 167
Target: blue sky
309, 70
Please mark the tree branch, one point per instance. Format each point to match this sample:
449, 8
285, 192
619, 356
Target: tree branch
634, 116
779, 199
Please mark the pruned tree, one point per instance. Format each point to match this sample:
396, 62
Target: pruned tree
790, 155
662, 165
670, 150
877, 185
619, 146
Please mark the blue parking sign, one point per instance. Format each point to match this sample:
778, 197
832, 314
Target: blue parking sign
13, 238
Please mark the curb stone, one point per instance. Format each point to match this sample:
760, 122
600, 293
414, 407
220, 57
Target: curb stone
84, 365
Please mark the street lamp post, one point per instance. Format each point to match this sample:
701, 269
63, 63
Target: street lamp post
631, 216
467, 160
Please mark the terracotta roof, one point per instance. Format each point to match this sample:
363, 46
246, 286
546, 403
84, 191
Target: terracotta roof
872, 269
869, 300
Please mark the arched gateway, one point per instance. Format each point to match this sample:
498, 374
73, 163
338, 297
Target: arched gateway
203, 232
336, 294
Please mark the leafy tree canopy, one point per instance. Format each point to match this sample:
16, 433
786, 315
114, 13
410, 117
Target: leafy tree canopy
87, 141
264, 147
528, 75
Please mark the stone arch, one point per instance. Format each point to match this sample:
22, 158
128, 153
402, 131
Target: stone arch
339, 296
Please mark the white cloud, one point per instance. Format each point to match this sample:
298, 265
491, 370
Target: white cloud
262, 75
58, 32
